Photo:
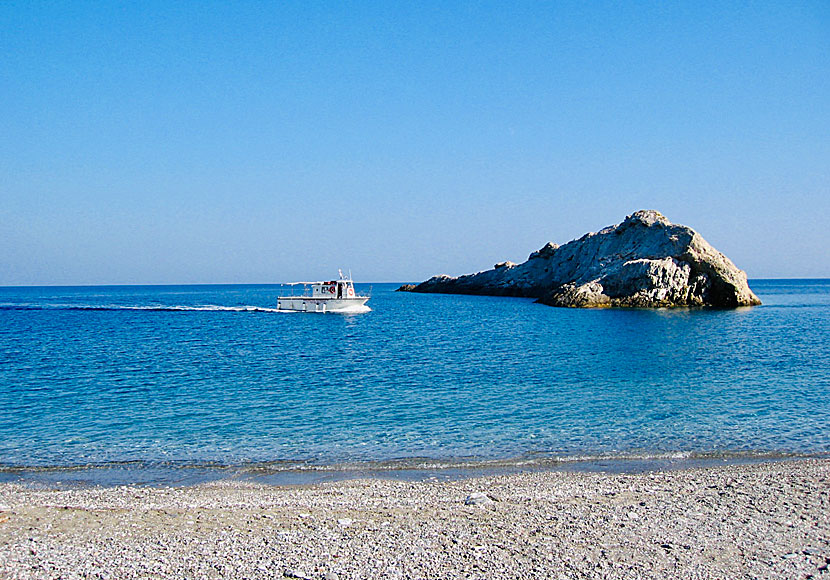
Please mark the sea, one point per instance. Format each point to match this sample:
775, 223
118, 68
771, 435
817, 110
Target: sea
176, 385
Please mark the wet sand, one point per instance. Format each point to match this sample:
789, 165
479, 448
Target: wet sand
769, 520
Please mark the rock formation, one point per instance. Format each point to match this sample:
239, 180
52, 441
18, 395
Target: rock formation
644, 262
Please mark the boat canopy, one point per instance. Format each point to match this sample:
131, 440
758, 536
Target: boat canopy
325, 282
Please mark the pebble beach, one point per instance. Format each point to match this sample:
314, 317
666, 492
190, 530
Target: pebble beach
768, 520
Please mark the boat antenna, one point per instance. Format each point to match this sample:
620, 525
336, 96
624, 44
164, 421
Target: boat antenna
339, 271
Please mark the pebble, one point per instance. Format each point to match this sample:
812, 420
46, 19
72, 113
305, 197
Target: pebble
549, 525
478, 498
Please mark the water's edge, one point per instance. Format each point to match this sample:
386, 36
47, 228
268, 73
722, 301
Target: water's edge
164, 475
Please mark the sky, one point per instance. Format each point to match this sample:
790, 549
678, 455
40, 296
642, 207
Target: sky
258, 142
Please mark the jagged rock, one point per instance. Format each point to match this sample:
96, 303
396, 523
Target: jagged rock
406, 288
545, 252
645, 262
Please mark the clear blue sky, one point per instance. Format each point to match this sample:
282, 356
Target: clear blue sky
189, 142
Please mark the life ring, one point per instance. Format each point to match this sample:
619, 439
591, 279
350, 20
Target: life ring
331, 289
351, 291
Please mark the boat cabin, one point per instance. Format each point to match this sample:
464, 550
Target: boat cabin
333, 289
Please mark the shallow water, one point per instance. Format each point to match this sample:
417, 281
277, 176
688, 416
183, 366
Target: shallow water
205, 377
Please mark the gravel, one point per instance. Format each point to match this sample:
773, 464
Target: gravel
767, 520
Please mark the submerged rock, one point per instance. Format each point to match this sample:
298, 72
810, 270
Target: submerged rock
645, 262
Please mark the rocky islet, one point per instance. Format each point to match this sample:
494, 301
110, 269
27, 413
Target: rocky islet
644, 262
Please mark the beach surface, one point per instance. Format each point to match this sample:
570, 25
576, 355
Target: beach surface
768, 520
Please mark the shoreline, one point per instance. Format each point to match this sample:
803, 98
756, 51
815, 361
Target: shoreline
279, 473
761, 520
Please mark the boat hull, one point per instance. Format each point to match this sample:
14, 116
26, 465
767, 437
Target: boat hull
309, 304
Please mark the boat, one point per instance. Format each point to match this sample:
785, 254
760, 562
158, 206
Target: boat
330, 296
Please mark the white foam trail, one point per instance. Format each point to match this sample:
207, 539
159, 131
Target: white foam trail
212, 308
353, 310
161, 308
207, 308
152, 308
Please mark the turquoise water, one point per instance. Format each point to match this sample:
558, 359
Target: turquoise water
208, 376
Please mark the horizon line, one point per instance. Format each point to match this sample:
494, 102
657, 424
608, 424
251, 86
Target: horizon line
128, 284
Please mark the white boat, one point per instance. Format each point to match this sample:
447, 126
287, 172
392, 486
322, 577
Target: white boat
332, 296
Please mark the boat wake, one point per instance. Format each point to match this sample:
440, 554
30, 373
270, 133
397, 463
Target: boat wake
151, 308
162, 308
352, 310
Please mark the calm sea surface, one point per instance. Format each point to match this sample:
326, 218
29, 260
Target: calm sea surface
206, 377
